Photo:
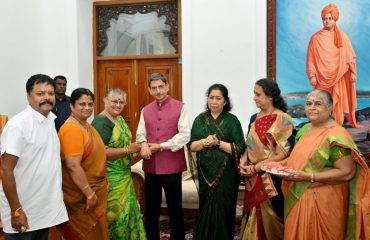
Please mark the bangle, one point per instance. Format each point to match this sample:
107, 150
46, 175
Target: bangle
17, 213
87, 186
125, 151
91, 196
312, 177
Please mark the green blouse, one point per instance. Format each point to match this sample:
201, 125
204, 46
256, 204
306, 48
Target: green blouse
335, 153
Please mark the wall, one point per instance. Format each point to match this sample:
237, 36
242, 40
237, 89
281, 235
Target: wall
38, 41
224, 43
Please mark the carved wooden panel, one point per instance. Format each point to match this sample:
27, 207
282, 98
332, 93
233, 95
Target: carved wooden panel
105, 13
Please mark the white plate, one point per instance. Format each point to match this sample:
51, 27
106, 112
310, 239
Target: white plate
278, 171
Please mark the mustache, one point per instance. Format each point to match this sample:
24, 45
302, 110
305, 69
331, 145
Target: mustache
46, 102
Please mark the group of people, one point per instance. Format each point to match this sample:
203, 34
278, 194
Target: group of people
65, 173
75, 176
326, 194
79, 179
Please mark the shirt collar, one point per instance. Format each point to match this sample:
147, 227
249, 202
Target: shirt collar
39, 116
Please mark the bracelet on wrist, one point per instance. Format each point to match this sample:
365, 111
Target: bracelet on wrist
125, 151
312, 177
17, 212
91, 196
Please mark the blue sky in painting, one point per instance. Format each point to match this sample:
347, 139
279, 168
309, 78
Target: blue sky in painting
298, 20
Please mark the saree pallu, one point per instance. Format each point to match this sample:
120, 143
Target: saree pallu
263, 200
323, 211
218, 176
93, 224
124, 216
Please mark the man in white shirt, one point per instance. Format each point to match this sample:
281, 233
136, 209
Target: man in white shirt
163, 131
31, 197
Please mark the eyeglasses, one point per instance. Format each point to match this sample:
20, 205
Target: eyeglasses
116, 102
327, 19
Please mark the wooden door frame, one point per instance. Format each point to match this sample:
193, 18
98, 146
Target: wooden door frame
97, 58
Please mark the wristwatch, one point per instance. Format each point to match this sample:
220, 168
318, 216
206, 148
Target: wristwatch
218, 142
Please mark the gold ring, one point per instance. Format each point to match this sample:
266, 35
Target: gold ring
23, 229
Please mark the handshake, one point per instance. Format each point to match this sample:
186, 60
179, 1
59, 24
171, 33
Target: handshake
147, 149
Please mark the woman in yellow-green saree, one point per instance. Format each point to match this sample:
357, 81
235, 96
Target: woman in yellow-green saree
123, 213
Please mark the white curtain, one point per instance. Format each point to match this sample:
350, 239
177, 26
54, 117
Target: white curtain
139, 34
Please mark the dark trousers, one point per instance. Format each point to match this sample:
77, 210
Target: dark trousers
171, 184
41, 234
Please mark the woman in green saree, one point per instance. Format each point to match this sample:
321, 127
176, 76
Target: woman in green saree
217, 138
124, 217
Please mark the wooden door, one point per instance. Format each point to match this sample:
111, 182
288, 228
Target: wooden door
168, 68
118, 74
132, 76
125, 56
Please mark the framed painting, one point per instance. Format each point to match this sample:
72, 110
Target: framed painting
290, 25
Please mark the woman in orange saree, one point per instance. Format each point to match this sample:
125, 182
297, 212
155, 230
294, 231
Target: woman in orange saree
84, 172
328, 194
